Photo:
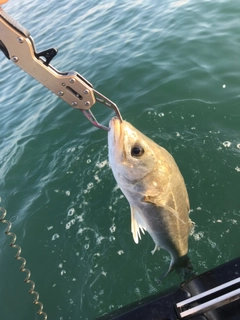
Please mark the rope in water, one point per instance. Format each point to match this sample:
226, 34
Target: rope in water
22, 268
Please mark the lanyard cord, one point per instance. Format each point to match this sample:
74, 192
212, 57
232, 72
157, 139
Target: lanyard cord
22, 268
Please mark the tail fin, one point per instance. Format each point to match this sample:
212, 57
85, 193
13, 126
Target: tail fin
182, 266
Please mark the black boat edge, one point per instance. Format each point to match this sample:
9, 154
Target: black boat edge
213, 295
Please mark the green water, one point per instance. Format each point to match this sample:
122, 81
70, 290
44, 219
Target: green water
173, 68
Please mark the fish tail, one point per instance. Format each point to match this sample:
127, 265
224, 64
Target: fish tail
182, 266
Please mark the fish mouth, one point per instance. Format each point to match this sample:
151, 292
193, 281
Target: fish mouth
115, 129
114, 121
116, 138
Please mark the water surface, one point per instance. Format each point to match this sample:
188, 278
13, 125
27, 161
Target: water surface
173, 69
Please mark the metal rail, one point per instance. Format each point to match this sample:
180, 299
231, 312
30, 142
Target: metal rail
211, 299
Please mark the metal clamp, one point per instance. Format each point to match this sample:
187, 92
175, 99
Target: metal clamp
18, 46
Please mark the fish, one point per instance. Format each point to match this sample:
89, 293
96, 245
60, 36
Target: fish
151, 181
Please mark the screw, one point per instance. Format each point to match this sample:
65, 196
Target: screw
20, 39
74, 104
60, 93
87, 103
71, 80
14, 59
86, 91
63, 84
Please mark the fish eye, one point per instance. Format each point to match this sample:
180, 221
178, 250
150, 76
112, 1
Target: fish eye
137, 151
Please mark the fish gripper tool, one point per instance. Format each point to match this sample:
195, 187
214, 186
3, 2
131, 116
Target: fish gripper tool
18, 46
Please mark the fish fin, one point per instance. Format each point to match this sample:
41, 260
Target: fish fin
155, 249
174, 212
136, 225
191, 227
150, 199
183, 267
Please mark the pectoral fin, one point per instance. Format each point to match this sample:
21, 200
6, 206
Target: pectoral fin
149, 199
137, 224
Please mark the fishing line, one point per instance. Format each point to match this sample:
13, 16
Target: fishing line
22, 268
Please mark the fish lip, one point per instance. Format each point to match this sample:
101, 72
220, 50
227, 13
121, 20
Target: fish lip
116, 137
113, 121
115, 128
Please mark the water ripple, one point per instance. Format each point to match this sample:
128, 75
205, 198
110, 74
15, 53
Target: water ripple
172, 68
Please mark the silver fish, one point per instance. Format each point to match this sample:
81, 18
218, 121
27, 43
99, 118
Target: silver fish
154, 187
